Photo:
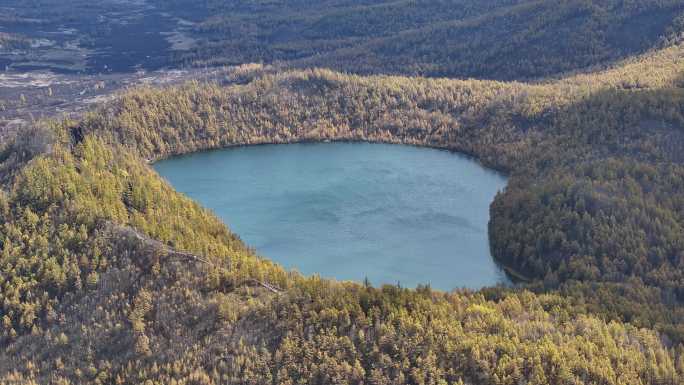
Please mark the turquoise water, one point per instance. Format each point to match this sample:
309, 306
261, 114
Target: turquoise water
389, 213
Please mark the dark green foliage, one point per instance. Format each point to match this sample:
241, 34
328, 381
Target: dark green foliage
492, 39
603, 220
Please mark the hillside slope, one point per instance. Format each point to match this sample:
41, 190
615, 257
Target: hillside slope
493, 39
108, 275
112, 305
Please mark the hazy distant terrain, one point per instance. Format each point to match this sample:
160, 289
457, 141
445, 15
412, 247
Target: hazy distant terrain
59, 57
492, 39
87, 37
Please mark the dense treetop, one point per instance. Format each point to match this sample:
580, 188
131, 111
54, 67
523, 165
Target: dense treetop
111, 276
492, 39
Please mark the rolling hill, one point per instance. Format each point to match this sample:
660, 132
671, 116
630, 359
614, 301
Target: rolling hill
493, 39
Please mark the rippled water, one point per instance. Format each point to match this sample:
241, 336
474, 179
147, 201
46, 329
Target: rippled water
389, 213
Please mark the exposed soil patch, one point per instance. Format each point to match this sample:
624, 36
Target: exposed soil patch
30, 96
83, 38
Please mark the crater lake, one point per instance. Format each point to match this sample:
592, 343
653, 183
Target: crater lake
391, 214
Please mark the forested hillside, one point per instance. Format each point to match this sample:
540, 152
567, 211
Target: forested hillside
492, 39
110, 276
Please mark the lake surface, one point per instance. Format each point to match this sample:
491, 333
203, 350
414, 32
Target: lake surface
389, 213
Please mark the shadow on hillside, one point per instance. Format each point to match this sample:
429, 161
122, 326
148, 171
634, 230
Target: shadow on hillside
643, 124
